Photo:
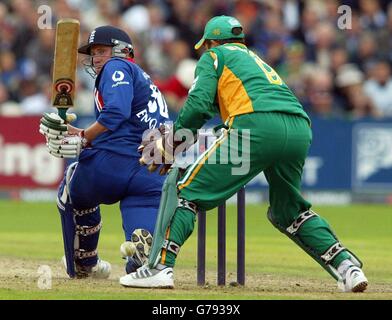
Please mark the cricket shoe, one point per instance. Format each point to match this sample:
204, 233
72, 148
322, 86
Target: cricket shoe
159, 277
354, 280
99, 271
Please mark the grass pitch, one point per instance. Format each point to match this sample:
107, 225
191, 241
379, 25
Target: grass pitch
30, 237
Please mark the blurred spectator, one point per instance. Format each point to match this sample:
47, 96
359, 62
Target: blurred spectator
291, 68
155, 40
41, 51
99, 14
176, 51
184, 16
309, 19
353, 35
137, 19
69, 8
176, 87
84, 100
291, 14
298, 38
8, 107
323, 44
271, 38
367, 52
24, 20
6, 29
37, 99
9, 74
3, 94
331, 11
372, 16
385, 38
350, 81
379, 88
339, 57
247, 12
319, 93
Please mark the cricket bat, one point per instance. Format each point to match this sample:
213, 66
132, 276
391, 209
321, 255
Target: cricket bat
64, 65
63, 95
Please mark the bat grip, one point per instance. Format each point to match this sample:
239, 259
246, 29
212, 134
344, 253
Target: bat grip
62, 113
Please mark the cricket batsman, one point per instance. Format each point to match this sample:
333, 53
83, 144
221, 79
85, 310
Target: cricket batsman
107, 170
266, 124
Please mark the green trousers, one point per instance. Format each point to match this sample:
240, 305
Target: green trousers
275, 143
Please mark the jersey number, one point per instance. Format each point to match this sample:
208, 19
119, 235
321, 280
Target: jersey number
270, 73
156, 101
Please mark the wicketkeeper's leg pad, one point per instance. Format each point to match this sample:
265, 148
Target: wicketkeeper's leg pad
313, 234
167, 209
80, 229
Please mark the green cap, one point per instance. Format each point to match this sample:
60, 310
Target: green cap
220, 28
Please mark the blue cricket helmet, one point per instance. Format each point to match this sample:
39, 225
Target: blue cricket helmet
109, 36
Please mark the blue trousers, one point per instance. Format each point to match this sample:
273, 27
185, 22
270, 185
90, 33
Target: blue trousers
102, 177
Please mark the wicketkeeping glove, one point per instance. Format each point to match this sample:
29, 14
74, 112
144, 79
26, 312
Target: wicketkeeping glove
160, 146
157, 149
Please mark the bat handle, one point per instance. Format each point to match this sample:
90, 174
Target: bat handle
62, 113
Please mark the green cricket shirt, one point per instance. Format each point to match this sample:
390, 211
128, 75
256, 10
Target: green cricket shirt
232, 80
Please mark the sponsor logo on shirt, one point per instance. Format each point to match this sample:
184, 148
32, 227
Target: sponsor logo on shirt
117, 77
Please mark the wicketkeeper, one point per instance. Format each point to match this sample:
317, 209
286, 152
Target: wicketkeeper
127, 103
267, 126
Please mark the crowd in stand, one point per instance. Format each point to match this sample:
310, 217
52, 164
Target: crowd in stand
337, 71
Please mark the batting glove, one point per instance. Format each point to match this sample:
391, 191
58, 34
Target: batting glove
68, 147
52, 126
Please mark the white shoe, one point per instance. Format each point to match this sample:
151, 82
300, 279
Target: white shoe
354, 280
144, 277
100, 271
